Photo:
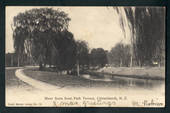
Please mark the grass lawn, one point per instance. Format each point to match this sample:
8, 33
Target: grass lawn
69, 80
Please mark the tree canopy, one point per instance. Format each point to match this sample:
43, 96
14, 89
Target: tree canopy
82, 52
98, 57
43, 35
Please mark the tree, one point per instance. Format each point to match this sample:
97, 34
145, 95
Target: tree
37, 31
120, 55
147, 25
82, 54
67, 52
98, 57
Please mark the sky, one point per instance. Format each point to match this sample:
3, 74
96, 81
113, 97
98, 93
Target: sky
98, 26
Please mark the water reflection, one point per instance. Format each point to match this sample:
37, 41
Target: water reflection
125, 81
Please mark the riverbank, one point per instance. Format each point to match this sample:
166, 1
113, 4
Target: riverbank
155, 73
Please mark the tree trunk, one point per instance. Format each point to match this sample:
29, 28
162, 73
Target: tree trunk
120, 62
140, 64
44, 64
50, 64
131, 57
68, 72
78, 68
12, 60
30, 60
131, 60
40, 66
18, 61
159, 64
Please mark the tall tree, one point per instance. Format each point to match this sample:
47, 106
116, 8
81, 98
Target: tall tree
36, 31
66, 46
147, 26
82, 54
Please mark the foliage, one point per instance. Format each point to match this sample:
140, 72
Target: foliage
43, 35
98, 57
120, 55
82, 52
147, 25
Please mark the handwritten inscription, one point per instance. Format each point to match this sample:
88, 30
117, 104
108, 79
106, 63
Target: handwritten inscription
90, 101
148, 103
85, 101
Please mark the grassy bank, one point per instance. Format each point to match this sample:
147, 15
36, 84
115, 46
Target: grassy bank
157, 73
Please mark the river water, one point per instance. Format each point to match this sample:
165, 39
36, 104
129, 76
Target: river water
127, 82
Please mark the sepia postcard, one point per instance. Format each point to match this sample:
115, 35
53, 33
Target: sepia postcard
85, 56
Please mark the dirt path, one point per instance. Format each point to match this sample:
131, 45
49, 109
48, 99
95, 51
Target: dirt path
33, 82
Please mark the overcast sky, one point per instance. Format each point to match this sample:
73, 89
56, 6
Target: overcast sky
99, 26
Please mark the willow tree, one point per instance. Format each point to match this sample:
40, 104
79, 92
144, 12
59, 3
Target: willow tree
36, 32
19, 41
147, 26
